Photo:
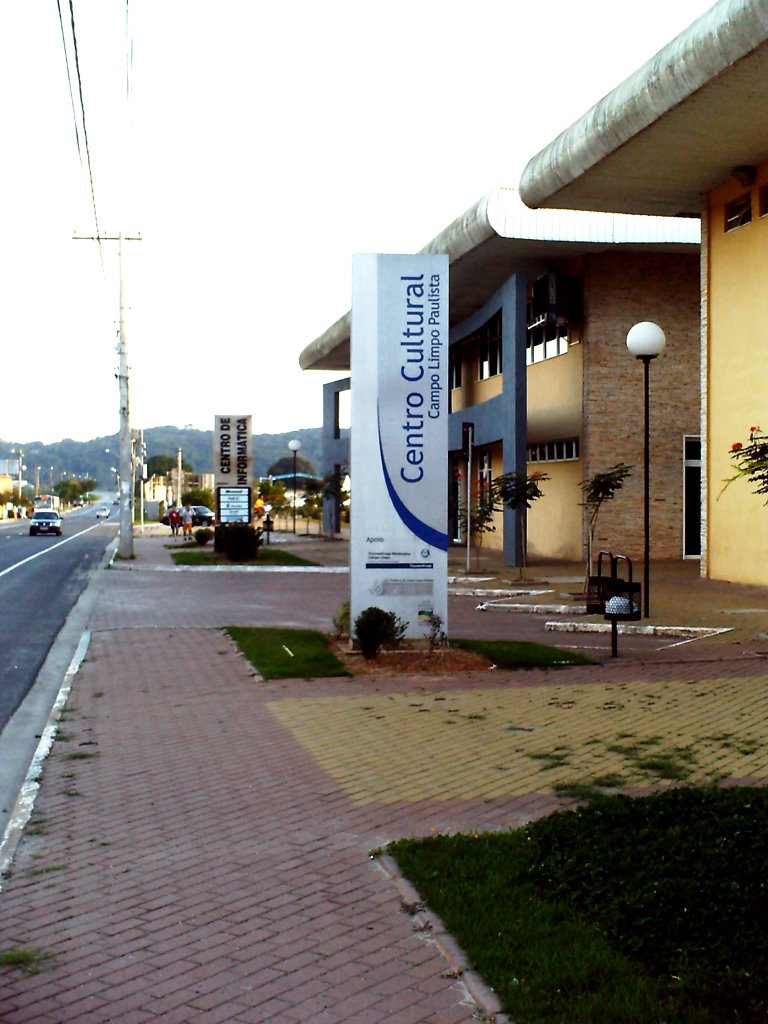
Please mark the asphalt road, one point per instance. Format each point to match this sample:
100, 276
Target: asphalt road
41, 578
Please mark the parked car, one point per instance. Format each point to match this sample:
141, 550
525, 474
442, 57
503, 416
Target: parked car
103, 512
201, 516
45, 521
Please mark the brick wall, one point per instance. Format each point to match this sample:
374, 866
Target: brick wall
621, 289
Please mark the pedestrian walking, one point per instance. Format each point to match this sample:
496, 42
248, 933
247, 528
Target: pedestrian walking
187, 517
174, 520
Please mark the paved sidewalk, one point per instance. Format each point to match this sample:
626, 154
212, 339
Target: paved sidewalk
199, 850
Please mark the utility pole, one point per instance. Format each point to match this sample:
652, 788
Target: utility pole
125, 543
178, 478
142, 477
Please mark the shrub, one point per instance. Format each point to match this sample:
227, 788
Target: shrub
341, 620
239, 541
435, 632
203, 535
375, 628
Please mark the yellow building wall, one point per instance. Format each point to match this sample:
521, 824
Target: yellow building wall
554, 520
737, 382
554, 399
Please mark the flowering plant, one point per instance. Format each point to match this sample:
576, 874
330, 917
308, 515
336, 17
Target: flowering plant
751, 461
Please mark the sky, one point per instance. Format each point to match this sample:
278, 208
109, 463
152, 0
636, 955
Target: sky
258, 147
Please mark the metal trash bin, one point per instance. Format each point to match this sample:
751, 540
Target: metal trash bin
615, 598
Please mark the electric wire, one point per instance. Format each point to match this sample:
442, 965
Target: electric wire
69, 83
85, 129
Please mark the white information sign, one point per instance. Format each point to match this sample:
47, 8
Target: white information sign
399, 437
234, 504
233, 451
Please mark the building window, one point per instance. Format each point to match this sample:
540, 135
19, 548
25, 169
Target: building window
485, 471
554, 451
545, 340
488, 341
738, 212
554, 306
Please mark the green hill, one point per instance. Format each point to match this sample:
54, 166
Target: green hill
94, 458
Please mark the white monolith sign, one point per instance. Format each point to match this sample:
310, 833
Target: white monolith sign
399, 437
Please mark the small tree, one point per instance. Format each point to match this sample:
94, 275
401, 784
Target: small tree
597, 490
518, 491
480, 519
198, 496
313, 501
333, 489
751, 461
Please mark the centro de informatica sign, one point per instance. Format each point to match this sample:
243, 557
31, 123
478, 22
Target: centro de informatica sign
399, 437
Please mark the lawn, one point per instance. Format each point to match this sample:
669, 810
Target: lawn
513, 654
194, 554
287, 653
645, 910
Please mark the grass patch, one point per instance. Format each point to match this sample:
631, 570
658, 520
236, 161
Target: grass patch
46, 870
673, 765
287, 653
629, 910
552, 758
522, 654
197, 556
30, 960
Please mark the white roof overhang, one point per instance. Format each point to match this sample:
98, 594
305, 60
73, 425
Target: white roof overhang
673, 130
498, 237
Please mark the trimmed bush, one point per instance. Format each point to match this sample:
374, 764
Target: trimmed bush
375, 628
203, 535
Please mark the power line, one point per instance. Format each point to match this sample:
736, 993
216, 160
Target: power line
85, 129
69, 82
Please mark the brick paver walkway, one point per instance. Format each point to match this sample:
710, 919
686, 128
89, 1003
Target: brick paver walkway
200, 845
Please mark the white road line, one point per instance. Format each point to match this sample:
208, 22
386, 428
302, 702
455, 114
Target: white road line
45, 551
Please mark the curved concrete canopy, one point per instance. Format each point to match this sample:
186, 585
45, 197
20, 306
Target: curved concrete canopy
498, 237
673, 130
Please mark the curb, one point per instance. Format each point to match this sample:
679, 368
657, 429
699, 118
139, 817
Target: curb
693, 632
431, 925
25, 803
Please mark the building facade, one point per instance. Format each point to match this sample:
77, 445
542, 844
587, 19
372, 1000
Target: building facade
685, 134
540, 305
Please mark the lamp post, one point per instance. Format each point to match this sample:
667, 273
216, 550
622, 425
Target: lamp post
645, 341
19, 453
294, 446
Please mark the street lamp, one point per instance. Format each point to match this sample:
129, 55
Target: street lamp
294, 446
645, 341
19, 452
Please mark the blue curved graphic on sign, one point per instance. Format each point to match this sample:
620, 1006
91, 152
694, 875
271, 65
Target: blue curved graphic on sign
422, 530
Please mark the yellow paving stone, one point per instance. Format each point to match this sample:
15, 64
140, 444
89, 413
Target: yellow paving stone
469, 744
